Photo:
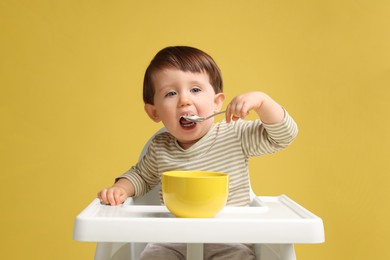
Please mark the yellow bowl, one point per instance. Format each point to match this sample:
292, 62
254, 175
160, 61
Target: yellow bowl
195, 194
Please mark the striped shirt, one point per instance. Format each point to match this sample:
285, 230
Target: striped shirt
225, 148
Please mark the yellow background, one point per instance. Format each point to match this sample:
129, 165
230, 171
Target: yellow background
72, 116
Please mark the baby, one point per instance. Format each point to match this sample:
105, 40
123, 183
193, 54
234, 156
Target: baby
181, 81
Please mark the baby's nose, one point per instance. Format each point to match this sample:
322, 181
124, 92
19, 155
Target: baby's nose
184, 100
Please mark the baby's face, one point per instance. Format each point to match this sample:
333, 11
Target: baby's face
180, 93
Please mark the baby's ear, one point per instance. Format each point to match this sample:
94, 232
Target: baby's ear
152, 112
218, 101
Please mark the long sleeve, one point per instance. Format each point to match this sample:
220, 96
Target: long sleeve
259, 138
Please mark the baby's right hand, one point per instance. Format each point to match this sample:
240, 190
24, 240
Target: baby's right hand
113, 195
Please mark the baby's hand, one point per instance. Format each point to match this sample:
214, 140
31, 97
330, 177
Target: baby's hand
268, 110
113, 196
118, 192
240, 106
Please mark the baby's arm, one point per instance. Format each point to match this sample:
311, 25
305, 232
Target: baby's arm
117, 193
268, 110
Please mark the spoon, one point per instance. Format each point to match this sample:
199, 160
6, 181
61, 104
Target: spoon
198, 119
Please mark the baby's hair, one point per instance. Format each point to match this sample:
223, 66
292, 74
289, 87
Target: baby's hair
183, 58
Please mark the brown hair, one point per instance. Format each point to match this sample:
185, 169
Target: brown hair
182, 58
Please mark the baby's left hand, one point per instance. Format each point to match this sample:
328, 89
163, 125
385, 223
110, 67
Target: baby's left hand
262, 104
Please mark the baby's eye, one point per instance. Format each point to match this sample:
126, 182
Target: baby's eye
170, 94
196, 90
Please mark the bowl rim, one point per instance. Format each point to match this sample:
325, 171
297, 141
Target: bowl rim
195, 174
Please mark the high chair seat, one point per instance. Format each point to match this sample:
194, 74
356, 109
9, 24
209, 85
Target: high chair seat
273, 224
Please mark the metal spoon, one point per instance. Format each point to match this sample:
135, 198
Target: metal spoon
198, 119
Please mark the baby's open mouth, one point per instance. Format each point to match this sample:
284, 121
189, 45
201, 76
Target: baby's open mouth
186, 123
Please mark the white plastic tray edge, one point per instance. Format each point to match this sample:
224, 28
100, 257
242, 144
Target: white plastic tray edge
91, 228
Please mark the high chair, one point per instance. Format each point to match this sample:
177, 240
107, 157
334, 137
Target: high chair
284, 224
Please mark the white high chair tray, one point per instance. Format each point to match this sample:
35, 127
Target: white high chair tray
276, 220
